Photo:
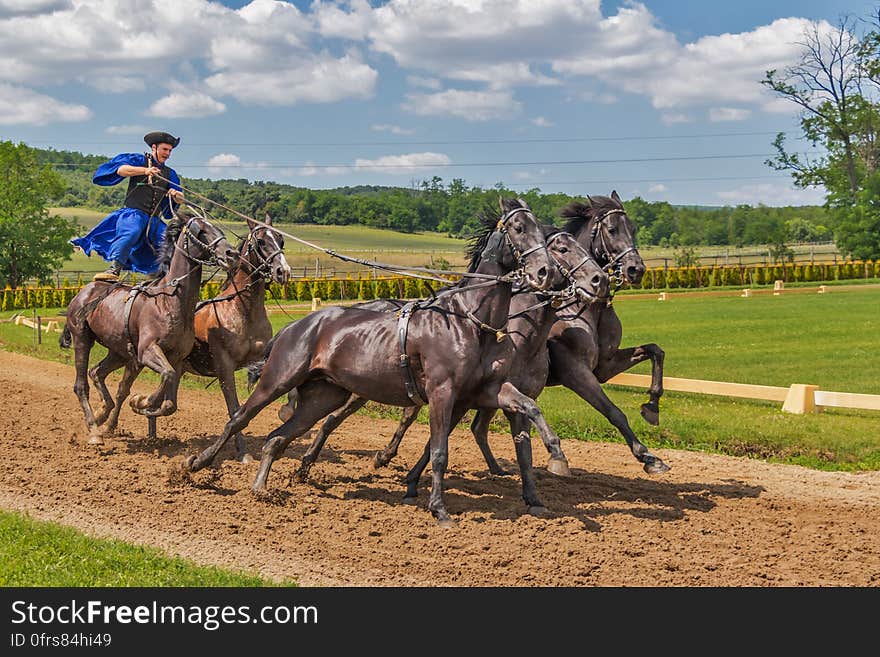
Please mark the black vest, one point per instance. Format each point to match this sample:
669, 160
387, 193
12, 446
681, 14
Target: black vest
144, 196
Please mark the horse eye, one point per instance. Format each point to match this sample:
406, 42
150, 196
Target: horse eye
518, 228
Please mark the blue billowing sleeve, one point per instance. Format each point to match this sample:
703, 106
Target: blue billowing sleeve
106, 174
166, 202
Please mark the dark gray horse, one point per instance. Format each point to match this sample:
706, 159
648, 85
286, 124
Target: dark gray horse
150, 326
531, 317
449, 349
583, 349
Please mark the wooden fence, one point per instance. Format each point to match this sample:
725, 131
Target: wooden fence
797, 398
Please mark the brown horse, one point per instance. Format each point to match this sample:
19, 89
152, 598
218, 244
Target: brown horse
232, 329
142, 326
439, 352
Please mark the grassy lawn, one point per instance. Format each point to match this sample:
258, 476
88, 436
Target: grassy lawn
36, 553
827, 340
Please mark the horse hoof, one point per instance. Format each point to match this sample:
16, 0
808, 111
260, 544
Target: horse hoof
559, 467
95, 439
378, 461
284, 413
245, 458
411, 500
539, 511
447, 523
498, 471
656, 466
188, 463
651, 413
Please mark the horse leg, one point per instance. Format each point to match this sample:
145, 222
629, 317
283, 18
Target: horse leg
409, 415
577, 377
262, 396
83, 343
157, 403
286, 411
480, 429
522, 440
316, 400
441, 410
98, 374
511, 400
333, 420
225, 368
415, 473
624, 359
132, 369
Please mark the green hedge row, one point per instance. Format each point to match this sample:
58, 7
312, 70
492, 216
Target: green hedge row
401, 287
702, 277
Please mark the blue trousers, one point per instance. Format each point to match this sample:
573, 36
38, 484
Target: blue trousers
128, 236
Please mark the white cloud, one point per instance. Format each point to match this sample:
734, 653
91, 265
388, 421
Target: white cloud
541, 122
130, 129
774, 194
393, 129
21, 106
469, 105
333, 21
658, 188
718, 114
427, 83
18, 7
407, 163
320, 79
224, 163
186, 104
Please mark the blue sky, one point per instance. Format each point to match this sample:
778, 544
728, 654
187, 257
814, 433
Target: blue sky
659, 99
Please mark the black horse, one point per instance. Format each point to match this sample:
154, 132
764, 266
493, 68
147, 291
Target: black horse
532, 315
146, 326
441, 352
583, 349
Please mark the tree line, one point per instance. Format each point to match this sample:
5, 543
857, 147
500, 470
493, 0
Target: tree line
452, 207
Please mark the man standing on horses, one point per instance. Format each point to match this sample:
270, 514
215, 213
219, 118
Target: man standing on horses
130, 237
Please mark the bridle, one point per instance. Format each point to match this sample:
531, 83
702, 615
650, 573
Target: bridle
613, 264
208, 247
570, 292
252, 246
519, 256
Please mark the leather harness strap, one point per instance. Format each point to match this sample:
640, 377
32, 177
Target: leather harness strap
409, 381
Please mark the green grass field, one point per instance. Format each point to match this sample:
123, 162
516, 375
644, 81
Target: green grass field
36, 553
827, 340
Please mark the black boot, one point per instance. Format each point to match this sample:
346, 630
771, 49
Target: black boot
112, 273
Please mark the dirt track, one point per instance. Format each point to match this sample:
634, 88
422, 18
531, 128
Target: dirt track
711, 521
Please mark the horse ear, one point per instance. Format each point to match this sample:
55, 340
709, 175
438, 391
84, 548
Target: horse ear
615, 197
589, 200
522, 203
268, 219
501, 204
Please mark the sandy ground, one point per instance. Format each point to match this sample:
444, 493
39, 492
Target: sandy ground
710, 521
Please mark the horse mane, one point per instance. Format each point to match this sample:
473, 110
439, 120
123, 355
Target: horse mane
489, 217
580, 214
166, 251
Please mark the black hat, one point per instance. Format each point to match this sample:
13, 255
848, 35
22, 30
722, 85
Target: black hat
161, 138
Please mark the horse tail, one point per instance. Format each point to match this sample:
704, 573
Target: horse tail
66, 339
254, 372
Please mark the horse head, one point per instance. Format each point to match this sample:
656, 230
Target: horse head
517, 244
586, 279
603, 226
263, 251
202, 242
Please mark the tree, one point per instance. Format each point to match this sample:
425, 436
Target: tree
33, 243
836, 84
